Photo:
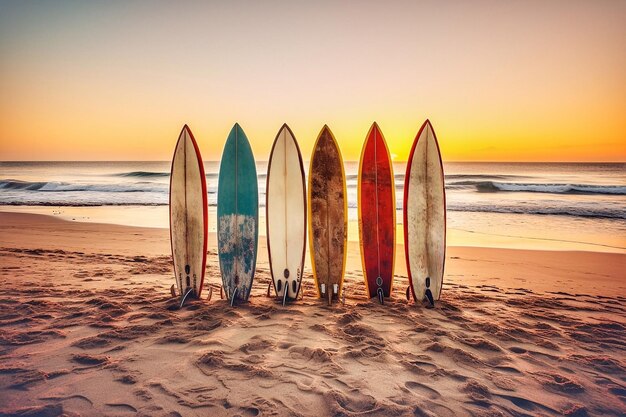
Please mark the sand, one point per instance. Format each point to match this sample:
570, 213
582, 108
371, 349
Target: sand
87, 327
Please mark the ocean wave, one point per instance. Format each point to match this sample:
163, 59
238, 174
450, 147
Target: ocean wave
494, 187
483, 176
151, 174
53, 186
612, 212
478, 186
587, 211
575, 211
142, 174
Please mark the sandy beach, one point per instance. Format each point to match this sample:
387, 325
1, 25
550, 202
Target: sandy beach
88, 327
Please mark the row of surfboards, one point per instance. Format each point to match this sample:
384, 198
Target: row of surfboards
292, 207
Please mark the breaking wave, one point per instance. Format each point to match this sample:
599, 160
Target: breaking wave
494, 187
53, 186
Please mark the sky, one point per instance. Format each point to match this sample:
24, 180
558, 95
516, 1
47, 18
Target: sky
500, 81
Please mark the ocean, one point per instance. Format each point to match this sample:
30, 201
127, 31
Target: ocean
578, 206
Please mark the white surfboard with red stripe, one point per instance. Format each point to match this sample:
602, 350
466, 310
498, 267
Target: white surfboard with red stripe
188, 215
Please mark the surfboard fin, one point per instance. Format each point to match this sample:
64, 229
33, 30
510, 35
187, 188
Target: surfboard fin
184, 298
408, 293
285, 292
232, 300
210, 293
381, 296
429, 294
173, 291
269, 288
221, 292
431, 300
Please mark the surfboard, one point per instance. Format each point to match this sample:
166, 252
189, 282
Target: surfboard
328, 220
425, 215
237, 216
188, 216
377, 215
286, 214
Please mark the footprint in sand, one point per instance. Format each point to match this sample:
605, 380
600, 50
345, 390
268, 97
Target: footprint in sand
422, 390
121, 408
508, 369
525, 404
73, 401
90, 360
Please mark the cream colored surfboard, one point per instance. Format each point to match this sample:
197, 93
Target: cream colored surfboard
188, 216
286, 214
425, 215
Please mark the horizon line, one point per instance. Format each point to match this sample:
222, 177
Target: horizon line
308, 160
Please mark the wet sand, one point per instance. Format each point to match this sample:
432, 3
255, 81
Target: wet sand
87, 327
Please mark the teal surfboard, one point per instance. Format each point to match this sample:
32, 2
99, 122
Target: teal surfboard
237, 216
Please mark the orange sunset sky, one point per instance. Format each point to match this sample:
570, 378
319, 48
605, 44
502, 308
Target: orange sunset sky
116, 80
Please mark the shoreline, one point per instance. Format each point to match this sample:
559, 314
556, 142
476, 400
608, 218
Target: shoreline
485, 234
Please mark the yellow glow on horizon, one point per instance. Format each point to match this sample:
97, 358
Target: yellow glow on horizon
81, 141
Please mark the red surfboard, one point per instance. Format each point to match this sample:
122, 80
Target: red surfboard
377, 215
